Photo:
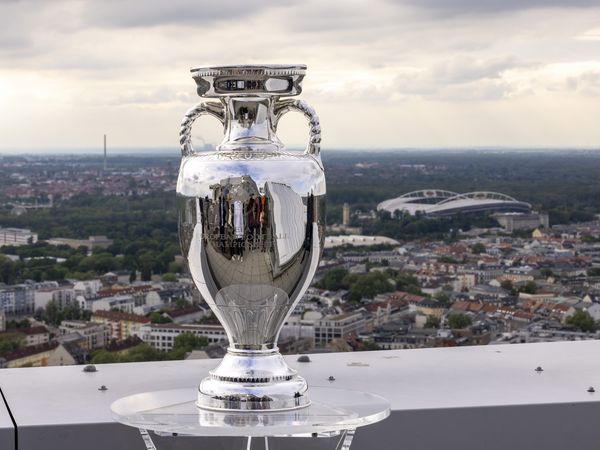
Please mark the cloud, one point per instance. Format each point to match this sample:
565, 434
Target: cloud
118, 62
467, 7
156, 97
589, 35
464, 68
150, 13
461, 78
13, 36
457, 79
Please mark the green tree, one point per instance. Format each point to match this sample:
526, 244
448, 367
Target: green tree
185, 343
368, 285
175, 267
478, 248
142, 352
583, 321
529, 288
507, 285
169, 277
443, 298
367, 346
447, 259
146, 274
18, 324
156, 317
104, 357
333, 279
182, 303
593, 272
8, 270
432, 322
459, 321
52, 313
190, 341
10, 342
408, 283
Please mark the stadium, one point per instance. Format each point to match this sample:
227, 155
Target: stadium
440, 203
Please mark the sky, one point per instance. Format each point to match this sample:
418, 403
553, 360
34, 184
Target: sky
381, 73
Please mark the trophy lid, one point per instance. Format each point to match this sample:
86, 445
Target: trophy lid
262, 80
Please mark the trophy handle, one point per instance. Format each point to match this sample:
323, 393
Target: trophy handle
314, 138
185, 138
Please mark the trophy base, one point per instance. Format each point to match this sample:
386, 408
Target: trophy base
253, 381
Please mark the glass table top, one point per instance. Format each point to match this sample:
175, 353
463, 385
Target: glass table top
175, 412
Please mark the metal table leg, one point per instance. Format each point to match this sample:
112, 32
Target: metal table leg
346, 439
147, 439
344, 442
249, 443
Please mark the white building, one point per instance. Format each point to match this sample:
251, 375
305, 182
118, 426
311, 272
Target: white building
35, 335
358, 240
18, 299
96, 335
61, 296
125, 303
335, 327
520, 221
594, 310
162, 336
300, 326
88, 288
17, 236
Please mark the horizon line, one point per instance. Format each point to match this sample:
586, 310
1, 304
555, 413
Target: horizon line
136, 150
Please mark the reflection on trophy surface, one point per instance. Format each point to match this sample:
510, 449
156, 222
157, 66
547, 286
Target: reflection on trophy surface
251, 228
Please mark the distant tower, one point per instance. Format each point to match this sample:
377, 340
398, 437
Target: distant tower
346, 215
105, 152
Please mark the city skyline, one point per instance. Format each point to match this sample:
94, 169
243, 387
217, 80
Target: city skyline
382, 74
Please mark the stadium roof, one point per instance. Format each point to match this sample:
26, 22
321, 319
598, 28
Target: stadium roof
439, 203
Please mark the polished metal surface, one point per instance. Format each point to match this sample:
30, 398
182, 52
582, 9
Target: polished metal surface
251, 226
280, 80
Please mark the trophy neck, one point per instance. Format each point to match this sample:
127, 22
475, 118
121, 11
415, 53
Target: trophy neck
225, 81
249, 124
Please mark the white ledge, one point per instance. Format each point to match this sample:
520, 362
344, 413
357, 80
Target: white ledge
422, 385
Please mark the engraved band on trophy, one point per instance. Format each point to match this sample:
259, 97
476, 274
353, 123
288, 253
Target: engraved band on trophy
251, 226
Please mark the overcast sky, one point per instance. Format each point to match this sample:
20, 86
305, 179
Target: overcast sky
381, 73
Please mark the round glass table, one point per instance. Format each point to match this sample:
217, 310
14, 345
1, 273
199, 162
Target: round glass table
332, 412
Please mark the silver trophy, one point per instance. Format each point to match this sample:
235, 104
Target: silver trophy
251, 226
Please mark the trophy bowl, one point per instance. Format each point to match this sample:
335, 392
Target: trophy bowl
251, 227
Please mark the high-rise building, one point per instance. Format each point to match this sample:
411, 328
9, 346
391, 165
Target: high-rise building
105, 162
346, 214
18, 299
